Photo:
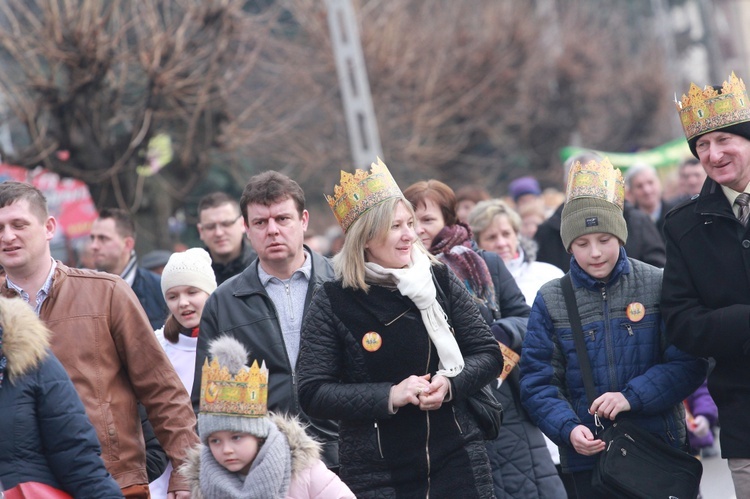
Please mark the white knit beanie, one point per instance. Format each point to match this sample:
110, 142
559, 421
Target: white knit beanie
189, 268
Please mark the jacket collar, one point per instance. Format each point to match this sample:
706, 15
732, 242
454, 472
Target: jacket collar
712, 201
248, 282
582, 279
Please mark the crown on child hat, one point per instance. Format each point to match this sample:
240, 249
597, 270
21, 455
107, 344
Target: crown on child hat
361, 191
233, 397
596, 179
594, 200
703, 111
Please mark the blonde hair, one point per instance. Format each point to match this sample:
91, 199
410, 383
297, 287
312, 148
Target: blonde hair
349, 263
484, 213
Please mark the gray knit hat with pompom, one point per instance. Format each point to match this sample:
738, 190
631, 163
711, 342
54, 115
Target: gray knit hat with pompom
231, 355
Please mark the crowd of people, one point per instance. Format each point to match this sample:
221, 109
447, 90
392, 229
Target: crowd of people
270, 363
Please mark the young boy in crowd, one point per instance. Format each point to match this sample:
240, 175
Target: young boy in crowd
636, 374
245, 452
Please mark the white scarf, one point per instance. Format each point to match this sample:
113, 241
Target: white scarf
415, 282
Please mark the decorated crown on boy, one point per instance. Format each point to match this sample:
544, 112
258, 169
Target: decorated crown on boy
361, 191
596, 179
234, 390
702, 111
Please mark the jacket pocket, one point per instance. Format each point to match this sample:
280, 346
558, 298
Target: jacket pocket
108, 437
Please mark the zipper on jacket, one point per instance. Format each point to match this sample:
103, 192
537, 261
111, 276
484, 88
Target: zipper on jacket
455, 419
289, 301
629, 328
397, 318
609, 347
377, 436
427, 453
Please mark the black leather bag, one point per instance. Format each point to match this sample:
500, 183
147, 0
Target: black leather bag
488, 412
634, 463
637, 464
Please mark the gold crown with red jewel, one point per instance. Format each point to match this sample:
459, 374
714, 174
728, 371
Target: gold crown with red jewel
358, 192
241, 394
596, 179
702, 111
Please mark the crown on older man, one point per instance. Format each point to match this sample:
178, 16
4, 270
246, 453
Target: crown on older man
242, 394
361, 191
702, 111
596, 179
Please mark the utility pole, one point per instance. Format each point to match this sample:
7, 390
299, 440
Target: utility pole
364, 139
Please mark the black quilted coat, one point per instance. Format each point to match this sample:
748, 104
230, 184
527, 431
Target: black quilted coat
412, 453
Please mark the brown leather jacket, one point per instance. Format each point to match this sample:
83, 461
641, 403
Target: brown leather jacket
102, 337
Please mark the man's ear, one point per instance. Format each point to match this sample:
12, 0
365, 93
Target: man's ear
129, 243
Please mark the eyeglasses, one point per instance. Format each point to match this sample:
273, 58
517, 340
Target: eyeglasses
211, 226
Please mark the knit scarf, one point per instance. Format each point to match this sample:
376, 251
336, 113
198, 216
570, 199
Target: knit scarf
453, 247
269, 476
415, 282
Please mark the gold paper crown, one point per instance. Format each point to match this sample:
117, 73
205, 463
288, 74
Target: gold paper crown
596, 179
359, 192
702, 111
244, 394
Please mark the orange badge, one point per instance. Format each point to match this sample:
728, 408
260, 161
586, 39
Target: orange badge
635, 311
372, 341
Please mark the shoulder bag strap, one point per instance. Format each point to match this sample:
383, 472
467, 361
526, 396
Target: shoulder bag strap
575, 325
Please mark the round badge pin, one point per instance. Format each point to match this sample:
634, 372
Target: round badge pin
635, 311
372, 341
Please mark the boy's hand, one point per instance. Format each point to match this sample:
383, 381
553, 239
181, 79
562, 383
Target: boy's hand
610, 405
583, 441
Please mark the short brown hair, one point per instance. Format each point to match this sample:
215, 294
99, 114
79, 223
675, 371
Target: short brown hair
437, 192
472, 193
271, 187
11, 191
123, 221
215, 199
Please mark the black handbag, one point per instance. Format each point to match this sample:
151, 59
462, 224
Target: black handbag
487, 410
634, 463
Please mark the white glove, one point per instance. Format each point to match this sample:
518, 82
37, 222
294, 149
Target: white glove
700, 426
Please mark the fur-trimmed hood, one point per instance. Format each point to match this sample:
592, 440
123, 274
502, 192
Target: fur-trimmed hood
305, 451
25, 337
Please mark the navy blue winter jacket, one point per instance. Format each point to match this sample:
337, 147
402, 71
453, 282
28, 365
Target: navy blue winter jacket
627, 355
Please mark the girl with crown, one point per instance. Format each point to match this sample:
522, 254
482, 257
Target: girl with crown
246, 452
392, 349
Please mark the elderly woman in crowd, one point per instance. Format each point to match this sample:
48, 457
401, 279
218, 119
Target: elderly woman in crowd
392, 349
497, 228
521, 464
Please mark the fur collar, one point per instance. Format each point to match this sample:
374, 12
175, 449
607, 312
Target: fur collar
305, 451
25, 337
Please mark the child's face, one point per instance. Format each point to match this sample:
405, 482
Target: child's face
234, 450
186, 304
597, 254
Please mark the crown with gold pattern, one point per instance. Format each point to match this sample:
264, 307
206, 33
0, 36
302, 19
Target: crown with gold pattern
702, 111
596, 179
361, 191
242, 394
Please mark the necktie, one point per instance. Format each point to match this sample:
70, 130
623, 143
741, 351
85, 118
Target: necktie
743, 201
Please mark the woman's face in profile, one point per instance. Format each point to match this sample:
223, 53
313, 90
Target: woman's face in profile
430, 221
392, 250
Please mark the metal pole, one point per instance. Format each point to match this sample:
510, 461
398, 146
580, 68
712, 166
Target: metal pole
362, 127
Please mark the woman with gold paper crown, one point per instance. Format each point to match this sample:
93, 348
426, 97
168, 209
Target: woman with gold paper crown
379, 354
636, 375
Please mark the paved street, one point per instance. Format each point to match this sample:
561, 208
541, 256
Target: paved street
717, 481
